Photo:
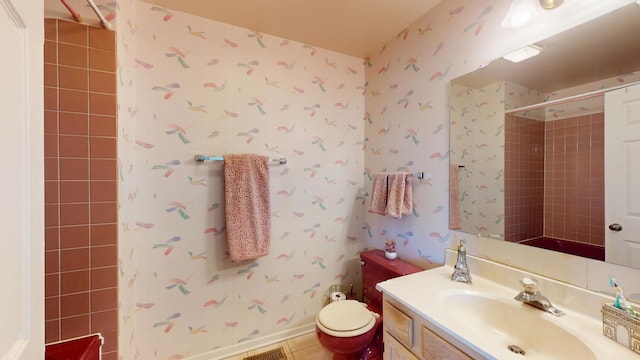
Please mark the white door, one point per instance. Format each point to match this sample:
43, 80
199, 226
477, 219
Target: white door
622, 176
22, 180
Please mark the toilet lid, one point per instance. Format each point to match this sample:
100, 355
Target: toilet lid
346, 316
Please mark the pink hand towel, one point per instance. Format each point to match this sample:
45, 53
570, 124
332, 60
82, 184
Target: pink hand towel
454, 197
248, 206
378, 194
400, 195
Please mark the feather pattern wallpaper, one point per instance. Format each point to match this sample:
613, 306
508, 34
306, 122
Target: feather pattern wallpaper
203, 87
188, 85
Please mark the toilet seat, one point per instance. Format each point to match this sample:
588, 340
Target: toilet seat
346, 318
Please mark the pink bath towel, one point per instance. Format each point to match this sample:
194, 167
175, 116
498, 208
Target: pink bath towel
379, 194
399, 195
248, 206
454, 197
391, 194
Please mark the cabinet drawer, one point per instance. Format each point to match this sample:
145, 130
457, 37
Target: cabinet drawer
435, 348
398, 324
393, 350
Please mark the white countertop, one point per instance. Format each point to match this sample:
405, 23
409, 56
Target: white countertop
425, 293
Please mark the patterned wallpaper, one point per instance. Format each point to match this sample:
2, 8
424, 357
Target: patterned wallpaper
203, 87
127, 254
477, 132
189, 85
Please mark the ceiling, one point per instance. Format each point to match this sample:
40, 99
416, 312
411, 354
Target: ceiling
602, 48
354, 27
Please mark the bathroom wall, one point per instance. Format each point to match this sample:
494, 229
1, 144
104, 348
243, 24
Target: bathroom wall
574, 174
408, 110
455, 38
407, 103
127, 256
567, 157
490, 150
80, 184
203, 87
524, 178
477, 125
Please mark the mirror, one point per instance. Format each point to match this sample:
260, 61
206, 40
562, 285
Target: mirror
527, 139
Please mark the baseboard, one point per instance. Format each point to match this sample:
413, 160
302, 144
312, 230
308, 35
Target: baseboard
248, 345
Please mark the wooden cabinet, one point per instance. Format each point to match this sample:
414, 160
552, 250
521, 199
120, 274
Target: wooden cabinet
399, 326
394, 350
436, 348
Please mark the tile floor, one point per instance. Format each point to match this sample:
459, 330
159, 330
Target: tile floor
304, 347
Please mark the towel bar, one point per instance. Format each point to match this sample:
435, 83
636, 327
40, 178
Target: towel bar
421, 175
201, 158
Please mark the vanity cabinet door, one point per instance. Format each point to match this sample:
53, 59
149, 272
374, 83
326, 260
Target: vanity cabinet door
436, 348
394, 350
398, 324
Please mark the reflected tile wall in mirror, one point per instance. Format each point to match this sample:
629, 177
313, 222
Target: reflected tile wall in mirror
524, 178
574, 197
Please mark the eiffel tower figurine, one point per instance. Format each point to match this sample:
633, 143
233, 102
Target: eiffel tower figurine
461, 272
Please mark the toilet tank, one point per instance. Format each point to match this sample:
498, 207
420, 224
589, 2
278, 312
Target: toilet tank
376, 268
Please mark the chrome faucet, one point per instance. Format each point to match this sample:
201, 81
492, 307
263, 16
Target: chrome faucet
532, 296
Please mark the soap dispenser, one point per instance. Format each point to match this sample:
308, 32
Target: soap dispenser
461, 271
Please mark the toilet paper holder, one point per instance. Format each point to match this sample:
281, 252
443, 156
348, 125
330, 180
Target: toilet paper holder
335, 293
338, 296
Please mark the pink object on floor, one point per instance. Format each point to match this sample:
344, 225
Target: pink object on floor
379, 194
248, 206
399, 195
454, 197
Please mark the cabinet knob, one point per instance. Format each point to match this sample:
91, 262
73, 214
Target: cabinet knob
362, 262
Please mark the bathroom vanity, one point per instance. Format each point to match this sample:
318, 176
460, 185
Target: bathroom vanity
400, 324
428, 316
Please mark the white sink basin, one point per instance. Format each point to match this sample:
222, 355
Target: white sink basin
482, 319
515, 325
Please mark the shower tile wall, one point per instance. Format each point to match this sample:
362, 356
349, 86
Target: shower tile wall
555, 168
524, 178
80, 184
574, 174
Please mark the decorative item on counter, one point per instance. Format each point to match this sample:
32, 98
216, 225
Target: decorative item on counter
621, 327
390, 249
620, 322
461, 272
